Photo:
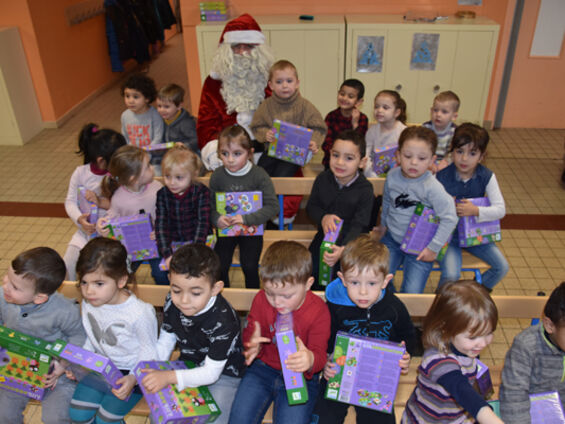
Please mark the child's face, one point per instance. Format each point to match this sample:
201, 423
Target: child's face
167, 109
345, 160
191, 294
19, 290
233, 156
147, 173
348, 98
442, 113
284, 83
99, 289
466, 158
364, 288
177, 179
386, 111
556, 332
415, 158
471, 346
135, 101
287, 297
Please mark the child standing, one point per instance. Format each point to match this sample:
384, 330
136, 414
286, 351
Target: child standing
347, 116
459, 324
360, 305
97, 146
286, 275
341, 192
406, 186
118, 325
464, 179
535, 362
132, 191
204, 325
183, 205
239, 174
29, 303
180, 125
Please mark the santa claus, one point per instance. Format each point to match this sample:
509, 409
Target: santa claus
237, 82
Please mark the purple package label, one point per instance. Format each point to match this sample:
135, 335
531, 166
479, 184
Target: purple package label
483, 380
473, 233
86, 206
159, 146
420, 232
384, 159
239, 203
175, 245
291, 142
332, 236
546, 408
134, 232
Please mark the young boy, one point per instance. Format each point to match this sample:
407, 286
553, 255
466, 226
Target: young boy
29, 303
203, 324
535, 363
286, 276
406, 186
180, 125
347, 116
360, 304
443, 114
340, 192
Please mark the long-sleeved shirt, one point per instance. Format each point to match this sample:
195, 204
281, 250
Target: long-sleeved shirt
142, 129
336, 123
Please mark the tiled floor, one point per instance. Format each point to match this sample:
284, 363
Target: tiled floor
527, 162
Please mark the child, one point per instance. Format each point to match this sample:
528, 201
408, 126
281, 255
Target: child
180, 125
29, 303
286, 104
459, 324
97, 146
340, 192
347, 116
443, 114
534, 363
466, 178
286, 275
204, 325
132, 190
118, 325
183, 205
406, 186
390, 114
141, 123
239, 174
360, 304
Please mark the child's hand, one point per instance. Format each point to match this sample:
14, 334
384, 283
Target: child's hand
127, 384
102, 227
433, 168
466, 208
313, 147
179, 144
329, 369
427, 255
152, 235
380, 231
270, 136
301, 360
332, 258
487, 416
328, 222
236, 219
87, 227
156, 380
51, 378
168, 262
91, 197
253, 346
224, 221
404, 362
355, 114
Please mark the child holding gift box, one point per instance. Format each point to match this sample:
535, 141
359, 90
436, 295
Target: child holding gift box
360, 304
118, 325
203, 324
466, 178
29, 303
535, 362
406, 186
286, 271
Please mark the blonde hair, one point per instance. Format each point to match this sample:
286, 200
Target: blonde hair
126, 164
460, 306
182, 157
286, 262
366, 252
281, 65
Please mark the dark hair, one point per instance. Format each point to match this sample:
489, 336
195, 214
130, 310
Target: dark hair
355, 138
555, 307
286, 262
235, 134
142, 83
421, 133
355, 84
196, 260
470, 133
105, 253
44, 266
126, 163
94, 143
171, 92
398, 101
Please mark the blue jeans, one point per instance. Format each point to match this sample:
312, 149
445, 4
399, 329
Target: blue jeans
262, 385
489, 253
415, 272
160, 277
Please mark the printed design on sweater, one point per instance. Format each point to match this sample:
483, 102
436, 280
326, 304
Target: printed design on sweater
104, 336
375, 329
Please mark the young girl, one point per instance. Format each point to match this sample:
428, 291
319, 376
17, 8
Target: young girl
238, 173
183, 205
466, 178
97, 146
118, 325
459, 324
132, 190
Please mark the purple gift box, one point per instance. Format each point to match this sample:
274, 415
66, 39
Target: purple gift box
159, 146
324, 270
384, 159
546, 408
483, 380
210, 242
134, 233
239, 203
420, 232
291, 142
473, 233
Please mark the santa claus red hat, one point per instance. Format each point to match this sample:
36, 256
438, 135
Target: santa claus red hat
243, 29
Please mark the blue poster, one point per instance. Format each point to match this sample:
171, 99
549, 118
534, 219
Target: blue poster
370, 53
424, 52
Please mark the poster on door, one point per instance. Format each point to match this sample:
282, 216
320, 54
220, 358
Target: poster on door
424, 52
370, 53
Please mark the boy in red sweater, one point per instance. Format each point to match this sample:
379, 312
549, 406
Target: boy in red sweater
286, 275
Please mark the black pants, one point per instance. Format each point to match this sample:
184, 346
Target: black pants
276, 167
249, 252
